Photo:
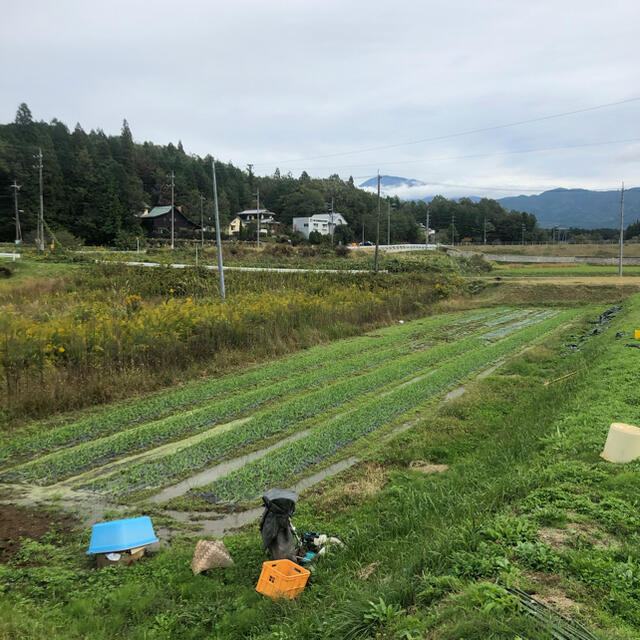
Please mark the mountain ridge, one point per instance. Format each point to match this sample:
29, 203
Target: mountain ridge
559, 207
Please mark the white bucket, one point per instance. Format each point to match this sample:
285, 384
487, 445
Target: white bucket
623, 443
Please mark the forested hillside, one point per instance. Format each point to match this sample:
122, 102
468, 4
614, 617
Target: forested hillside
96, 184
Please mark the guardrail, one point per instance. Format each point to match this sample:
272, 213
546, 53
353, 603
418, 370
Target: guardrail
398, 247
13, 256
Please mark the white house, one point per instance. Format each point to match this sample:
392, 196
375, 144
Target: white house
323, 223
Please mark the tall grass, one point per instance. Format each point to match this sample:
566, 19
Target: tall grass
121, 330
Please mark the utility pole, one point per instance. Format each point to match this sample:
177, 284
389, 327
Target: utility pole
332, 227
202, 199
426, 229
621, 230
453, 230
523, 229
362, 230
40, 230
258, 215
484, 231
378, 227
388, 221
218, 243
173, 221
16, 187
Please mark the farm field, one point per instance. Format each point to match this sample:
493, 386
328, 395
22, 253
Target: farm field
156, 441
631, 249
526, 502
78, 334
551, 270
356, 425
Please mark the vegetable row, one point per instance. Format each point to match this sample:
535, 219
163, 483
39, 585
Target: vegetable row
326, 439
61, 464
275, 420
115, 418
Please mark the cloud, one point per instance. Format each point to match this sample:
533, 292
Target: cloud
280, 83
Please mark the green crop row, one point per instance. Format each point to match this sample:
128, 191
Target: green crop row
147, 474
114, 418
505, 330
326, 439
60, 464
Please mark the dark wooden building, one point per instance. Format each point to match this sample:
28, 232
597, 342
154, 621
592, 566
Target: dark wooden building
157, 222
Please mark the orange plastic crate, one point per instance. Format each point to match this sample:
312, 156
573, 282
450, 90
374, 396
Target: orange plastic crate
282, 579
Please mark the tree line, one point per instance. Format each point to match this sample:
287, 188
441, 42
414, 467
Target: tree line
96, 185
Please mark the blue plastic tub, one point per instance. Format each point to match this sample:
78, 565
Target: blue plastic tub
121, 535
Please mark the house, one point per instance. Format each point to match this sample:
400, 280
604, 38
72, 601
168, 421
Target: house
157, 221
323, 223
250, 216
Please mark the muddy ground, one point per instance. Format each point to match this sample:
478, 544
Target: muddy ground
17, 523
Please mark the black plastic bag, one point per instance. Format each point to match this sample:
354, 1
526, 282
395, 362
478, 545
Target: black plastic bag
278, 535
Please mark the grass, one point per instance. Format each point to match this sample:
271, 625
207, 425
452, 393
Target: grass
85, 340
526, 502
412, 527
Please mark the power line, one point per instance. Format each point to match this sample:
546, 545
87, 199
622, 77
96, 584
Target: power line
460, 133
477, 155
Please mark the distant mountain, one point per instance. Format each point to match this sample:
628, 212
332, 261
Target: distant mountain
557, 207
578, 207
390, 182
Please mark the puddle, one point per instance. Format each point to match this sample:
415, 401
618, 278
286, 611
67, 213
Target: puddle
219, 470
150, 454
455, 393
228, 522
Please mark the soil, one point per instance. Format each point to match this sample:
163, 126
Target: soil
428, 467
548, 590
17, 523
561, 538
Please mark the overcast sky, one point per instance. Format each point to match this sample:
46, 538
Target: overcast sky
278, 83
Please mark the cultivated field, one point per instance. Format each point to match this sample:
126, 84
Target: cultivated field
455, 454
306, 409
631, 249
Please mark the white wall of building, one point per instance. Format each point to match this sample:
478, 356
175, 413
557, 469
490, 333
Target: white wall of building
318, 222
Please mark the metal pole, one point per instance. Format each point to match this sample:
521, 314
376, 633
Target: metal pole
485, 231
137, 245
331, 221
258, 215
41, 216
377, 228
218, 243
621, 230
16, 188
202, 199
453, 230
388, 221
363, 230
426, 241
523, 233
172, 209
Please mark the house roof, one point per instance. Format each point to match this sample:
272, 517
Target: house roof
253, 212
157, 211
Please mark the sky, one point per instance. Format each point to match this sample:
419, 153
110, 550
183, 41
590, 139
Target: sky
342, 87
